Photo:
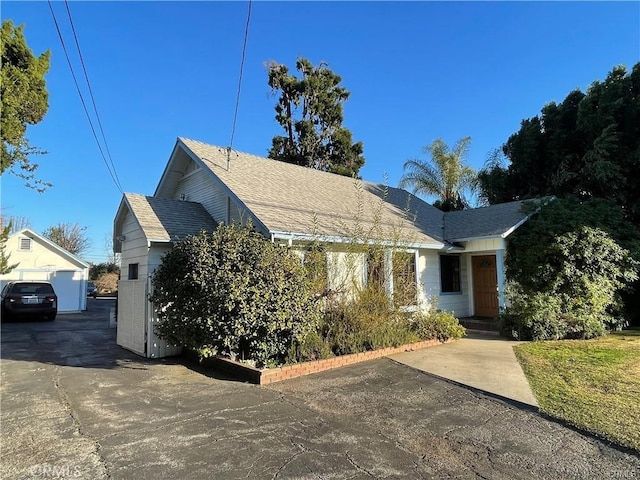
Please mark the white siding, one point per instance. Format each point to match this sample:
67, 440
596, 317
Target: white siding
155, 256
430, 293
485, 245
134, 248
197, 187
135, 313
345, 271
39, 257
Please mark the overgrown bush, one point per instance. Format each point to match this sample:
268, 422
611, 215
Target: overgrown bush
368, 320
567, 278
236, 294
365, 321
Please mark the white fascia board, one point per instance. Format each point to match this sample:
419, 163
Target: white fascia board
33, 235
166, 168
517, 225
297, 236
124, 205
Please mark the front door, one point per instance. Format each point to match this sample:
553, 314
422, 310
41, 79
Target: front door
485, 286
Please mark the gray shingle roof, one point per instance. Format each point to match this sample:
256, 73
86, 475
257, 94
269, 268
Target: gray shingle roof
493, 220
163, 219
294, 199
291, 199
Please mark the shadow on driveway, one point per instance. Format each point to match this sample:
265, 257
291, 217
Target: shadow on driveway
121, 416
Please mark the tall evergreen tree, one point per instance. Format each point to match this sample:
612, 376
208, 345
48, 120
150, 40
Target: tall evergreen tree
310, 110
587, 146
24, 102
5, 266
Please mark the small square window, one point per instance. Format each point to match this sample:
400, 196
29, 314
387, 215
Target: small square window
133, 271
450, 273
25, 244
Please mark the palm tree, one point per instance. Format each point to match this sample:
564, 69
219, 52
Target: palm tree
445, 176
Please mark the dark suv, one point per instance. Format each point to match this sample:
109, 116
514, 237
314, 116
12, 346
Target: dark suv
29, 299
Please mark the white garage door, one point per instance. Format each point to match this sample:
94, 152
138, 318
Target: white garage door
69, 289
68, 285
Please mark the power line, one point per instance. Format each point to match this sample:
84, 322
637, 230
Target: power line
95, 108
244, 49
84, 106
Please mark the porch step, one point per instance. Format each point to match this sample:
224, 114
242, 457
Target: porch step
482, 324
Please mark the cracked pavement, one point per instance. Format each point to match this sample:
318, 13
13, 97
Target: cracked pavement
75, 405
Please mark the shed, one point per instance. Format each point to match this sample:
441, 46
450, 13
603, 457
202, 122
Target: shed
145, 228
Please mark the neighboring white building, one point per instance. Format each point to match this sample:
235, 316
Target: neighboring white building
456, 258
38, 258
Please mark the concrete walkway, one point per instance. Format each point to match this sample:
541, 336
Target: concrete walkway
483, 361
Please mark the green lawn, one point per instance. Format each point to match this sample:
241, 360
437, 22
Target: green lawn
592, 384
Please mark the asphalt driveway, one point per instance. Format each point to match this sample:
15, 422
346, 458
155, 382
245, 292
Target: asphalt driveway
74, 405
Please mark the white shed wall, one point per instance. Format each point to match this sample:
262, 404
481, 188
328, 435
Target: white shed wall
134, 248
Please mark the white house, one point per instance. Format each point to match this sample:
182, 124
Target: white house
38, 258
457, 258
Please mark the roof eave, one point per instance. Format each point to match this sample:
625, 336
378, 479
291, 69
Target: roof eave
338, 239
70, 256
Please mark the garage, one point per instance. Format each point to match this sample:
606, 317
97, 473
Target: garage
38, 258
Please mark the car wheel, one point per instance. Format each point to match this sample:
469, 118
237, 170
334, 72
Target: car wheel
51, 317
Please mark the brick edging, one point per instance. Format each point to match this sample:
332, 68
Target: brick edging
266, 376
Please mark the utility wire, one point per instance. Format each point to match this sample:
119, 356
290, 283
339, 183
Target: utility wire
84, 106
95, 108
244, 49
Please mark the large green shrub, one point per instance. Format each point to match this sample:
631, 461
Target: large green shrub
236, 294
436, 324
567, 274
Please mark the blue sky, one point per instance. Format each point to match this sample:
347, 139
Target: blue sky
417, 71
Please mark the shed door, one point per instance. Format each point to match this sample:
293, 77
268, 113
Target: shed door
132, 315
485, 286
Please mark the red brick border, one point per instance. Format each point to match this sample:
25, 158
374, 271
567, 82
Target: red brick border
271, 375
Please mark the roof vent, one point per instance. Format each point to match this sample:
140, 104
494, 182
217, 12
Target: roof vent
183, 196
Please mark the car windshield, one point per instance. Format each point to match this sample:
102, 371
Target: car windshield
31, 288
